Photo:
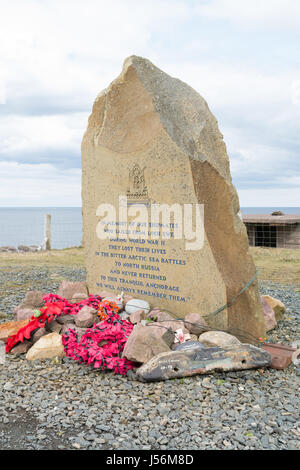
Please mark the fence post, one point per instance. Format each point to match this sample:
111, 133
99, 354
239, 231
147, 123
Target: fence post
47, 232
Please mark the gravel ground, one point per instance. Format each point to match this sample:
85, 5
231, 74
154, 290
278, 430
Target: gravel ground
64, 405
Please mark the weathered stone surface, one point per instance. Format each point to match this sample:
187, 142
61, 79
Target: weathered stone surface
23, 314
38, 334
134, 305
79, 297
158, 315
195, 323
63, 319
21, 348
137, 316
68, 289
218, 338
201, 361
144, 343
46, 347
33, 300
173, 325
71, 326
276, 305
86, 317
193, 338
187, 345
269, 315
160, 136
11, 328
54, 327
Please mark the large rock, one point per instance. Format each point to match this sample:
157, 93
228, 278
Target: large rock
46, 347
145, 342
67, 290
269, 315
218, 338
155, 140
276, 305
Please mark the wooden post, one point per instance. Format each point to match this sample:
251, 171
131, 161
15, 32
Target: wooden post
47, 232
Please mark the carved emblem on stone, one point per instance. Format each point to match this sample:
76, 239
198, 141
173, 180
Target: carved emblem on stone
136, 182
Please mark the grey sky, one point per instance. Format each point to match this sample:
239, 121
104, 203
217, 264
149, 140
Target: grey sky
56, 55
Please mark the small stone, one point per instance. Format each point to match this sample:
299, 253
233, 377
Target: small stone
218, 338
38, 334
33, 300
137, 304
47, 347
172, 325
277, 306
78, 297
54, 327
71, 326
21, 348
68, 289
63, 319
124, 316
23, 314
8, 386
137, 316
269, 315
160, 316
195, 323
86, 317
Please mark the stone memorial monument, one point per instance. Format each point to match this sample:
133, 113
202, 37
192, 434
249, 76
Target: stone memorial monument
160, 214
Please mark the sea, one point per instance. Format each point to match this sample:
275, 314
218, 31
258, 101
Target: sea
25, 225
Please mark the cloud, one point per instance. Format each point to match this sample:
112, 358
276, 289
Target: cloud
38, 185
56, 55
53, 138
281, 197
257, 14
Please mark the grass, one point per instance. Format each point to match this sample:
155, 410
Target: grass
280, 265
67, 257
